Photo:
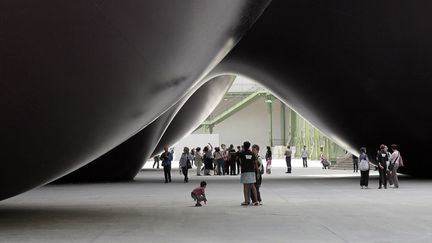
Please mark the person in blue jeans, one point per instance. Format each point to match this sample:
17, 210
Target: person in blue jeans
166, 158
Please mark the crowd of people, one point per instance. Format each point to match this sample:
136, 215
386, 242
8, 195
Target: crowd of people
246, 162
387, 166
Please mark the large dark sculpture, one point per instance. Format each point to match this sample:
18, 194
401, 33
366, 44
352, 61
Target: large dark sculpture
79, 78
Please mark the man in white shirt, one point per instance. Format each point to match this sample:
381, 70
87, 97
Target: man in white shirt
304, 156
288, 154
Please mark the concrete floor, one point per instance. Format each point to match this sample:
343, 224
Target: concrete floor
310, 205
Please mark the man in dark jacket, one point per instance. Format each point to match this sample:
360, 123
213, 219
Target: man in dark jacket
382, 158
166, 158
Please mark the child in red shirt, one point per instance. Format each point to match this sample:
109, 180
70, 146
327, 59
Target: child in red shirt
198, 194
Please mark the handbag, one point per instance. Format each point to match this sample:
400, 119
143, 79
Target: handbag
189, 164
364, 165
391, 165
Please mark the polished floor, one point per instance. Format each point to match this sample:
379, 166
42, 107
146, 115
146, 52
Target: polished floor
310, 205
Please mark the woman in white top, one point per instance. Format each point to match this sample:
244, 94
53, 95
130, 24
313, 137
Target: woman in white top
185, 160
198, 160
395, 162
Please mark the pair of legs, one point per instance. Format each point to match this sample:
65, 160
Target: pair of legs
394, 176
355, 165
220, 166
246, 189
167, 173
304, 162
232, 167
185, 173
364, 178
288, 164
258, 193
238, 167
156, 162
382, 178
198, 168
197, 198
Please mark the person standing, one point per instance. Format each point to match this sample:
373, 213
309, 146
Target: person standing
288, 154
185, 163
382, 159
395, 162
219, 160
304, 155
239, 150
166, 158
208, 159
259, 173
249, 169
198, 160
268, 158
364, 169
355, 163
232, 159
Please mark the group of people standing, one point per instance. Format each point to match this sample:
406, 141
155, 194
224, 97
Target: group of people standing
387, 164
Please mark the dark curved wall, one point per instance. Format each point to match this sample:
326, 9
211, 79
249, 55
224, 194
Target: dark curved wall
76, 77
195, 111
358, 70
126, 160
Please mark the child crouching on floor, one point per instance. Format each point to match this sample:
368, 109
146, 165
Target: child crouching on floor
198, 194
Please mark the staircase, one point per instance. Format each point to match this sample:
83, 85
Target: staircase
343, 163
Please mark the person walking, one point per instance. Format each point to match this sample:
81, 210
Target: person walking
249, 169
288, 154
382, 159
198, 160
156, 161
185, 163
166, 158
259, 173
268, 158
304, 155
364, 169
396, 161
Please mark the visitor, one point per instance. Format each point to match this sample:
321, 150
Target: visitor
224, 152
198, 194
238, 159
258, 174
396, 161
325, 163
219, 161
166, 158
382, 159
288, 154
268, 158
156, 161
355, 163
185, 163
364, 169
232, 160
249, 170
198, 160
208, 159
304, 155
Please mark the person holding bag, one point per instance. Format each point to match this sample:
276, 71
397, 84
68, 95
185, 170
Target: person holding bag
185, 163
395, 163
364, 169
